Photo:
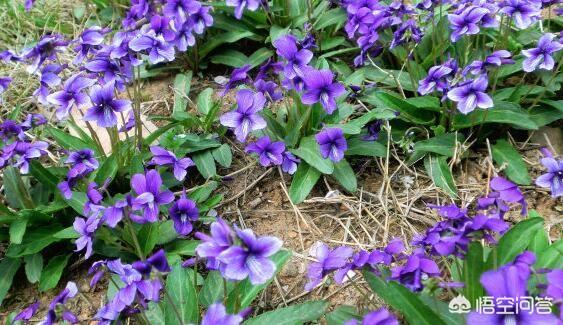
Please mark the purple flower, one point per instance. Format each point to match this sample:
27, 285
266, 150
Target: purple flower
49, 79
86, 229
163, 157
82, 163
332, 143
114, 214
184, 37
466, 22
158, 49
289, 162
373, 129
201, 19
70, 95
509, 281
138, 9
160, 26
32, 121
180, 9
377, 317
269, 89
496, 59
508, 191
269, 153
407, 31
26, 314
553, 179
110, 70
319, 87
238, 76
149, 196
4, 83
417, 268
70, 291
9, 56
105, 105
217, 314
471, 94
183, 212
10, 130
252, 5
541, 56
245, 118
24, 152
297, 60
250, 260
554, 284
221, 238
327, 260
523, 12
120, 50
89, 41
46, 49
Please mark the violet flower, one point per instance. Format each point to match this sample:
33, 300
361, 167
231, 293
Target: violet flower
217, 314
4, 83
377, 317
160, 26
70, 95
496, 59
138, 10
70, 291
240, 5
554, 287
289, 162
332, 143
466, 22
113, 214
149, 196
470, 95
509, 281
327, 261
417, 268
523, 12
158, 49
163, 157
33, 120
269, 89
111, 70
373, 129
222, 237
90, 40
250, 260
245, 118
49, 79
201, 19
86, 229
541, 56
11, 130
46, 49
184, 37
180, 9
297, 60
183, 212
105, 105
269, 153
24, 152
26, 314
238, 76
553, 179
320, 87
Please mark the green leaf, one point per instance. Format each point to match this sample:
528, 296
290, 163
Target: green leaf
160, 131
67, 141
17, 230
516, 170
259, 56
180, 287
15, 190
473, 267
43, 175
52, 272
402, 299
359, 147
8, 268
514, 242
67, 233
34, 241
552, 257
212, 290
203, 193
501, 113
442, 145
295, 314
342, 314
33, 267
205, 101
230, 58
386, 77
247, 292
154, 314
182, 247
303, 182
216, 40
77, 201
223, 155
440, 173
108, 169
442, 309
407, 111
310, 152
345, 175
182, 86
205, 163
331, 17
277, 31
539, 242
148, 237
